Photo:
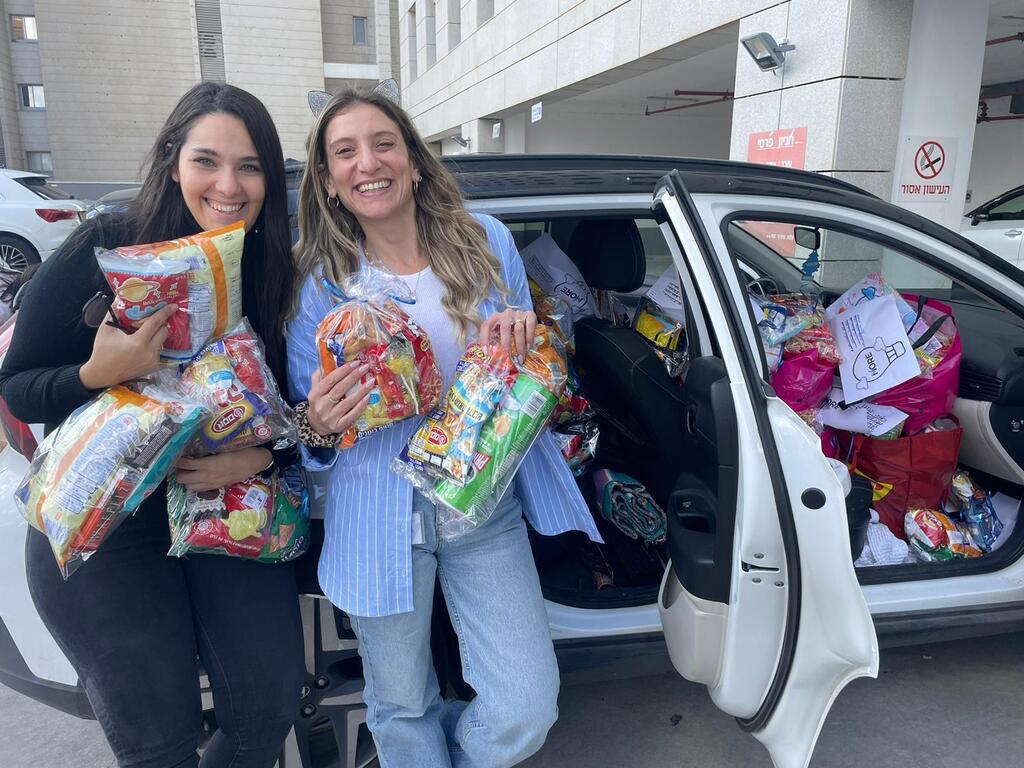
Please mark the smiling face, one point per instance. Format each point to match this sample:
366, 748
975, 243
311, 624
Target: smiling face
368, 165
220, 174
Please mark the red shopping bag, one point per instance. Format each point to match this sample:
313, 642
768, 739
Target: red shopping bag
906, 473
803, 380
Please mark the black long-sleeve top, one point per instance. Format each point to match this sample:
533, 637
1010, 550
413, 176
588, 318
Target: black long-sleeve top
39, 379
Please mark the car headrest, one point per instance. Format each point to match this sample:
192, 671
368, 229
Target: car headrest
610, 254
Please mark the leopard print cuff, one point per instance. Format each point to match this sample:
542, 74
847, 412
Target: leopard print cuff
307, 434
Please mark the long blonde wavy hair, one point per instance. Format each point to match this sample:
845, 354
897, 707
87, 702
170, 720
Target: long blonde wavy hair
454, 243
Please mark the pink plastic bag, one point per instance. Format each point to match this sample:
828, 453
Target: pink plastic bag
803, 380
928, 399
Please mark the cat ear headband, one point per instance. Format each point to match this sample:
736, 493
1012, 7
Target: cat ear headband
386, 88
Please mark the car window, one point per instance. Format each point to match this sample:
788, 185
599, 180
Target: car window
1008, 209
845, 258
43, 188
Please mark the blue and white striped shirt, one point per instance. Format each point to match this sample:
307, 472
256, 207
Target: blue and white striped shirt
366, 564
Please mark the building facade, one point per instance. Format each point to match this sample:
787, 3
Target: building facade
86, 84
865, 80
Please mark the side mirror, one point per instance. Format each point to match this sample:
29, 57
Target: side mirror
807, 237
978, 217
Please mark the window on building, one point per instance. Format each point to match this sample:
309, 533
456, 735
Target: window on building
31, 97
39, 162
24, 28
360, 33
411, 43
484, 11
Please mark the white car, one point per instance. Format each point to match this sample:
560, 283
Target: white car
35, 218
999, 226
755, 593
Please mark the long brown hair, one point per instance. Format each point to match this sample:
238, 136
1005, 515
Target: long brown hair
454, 243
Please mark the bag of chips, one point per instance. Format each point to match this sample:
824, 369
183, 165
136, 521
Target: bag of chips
202, 274
781, 317
553, 312
465, 455
101, 463
976, 511
231, 378
369, 326
264, 518
935, 537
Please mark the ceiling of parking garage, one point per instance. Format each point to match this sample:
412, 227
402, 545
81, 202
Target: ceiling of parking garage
712, 69
1004, 63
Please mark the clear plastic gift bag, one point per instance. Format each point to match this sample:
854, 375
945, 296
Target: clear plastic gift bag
464, 456
264, 518
370, 326
231, 379
101, 463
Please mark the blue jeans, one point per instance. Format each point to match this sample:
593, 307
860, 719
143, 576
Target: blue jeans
490, 583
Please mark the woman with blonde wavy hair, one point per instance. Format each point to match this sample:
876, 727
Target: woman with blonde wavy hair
375, 198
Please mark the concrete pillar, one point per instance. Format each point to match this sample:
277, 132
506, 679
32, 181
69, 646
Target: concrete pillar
10, 129
426, 35
449, 26
382, 38
514, 128
843, 85
940, 107
407, 43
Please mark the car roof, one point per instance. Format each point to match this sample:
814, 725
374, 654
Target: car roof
488, 176
1010, 193
13, 174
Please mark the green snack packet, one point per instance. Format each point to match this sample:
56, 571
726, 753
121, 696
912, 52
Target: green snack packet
504, 440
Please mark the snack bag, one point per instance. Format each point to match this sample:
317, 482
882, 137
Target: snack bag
230, 377
816, 337
264, 518
781, 317
935, 537
976, 511
202, 274
446, 440
369, 326
873, 286
553, 312
495, 413
100, 464
578, 444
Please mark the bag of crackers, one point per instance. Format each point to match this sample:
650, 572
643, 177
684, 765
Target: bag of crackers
201, 274
465, 453
369, 325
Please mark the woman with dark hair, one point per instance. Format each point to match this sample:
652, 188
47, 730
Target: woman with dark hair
374, 199
135, 623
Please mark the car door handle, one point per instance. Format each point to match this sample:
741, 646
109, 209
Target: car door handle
1013, 233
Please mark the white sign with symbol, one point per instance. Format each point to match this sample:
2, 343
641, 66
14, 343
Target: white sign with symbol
926, 174
874, 350
536, 112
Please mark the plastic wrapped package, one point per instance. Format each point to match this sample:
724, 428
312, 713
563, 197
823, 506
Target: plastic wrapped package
101, 463
935, 537
264, 518
369, 326
872, 286
554, 313
202, 274
976, 511
578, 444
816, 337
783, 316
666, 334
231, 378
572, 405
465, 455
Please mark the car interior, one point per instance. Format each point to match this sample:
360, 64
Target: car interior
676, 435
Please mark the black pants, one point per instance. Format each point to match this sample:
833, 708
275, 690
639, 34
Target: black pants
135, 624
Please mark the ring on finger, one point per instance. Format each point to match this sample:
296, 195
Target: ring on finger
334, 399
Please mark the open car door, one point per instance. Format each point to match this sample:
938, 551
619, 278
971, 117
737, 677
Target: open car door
760, 601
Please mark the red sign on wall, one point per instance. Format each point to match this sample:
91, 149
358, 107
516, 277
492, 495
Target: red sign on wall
786, 148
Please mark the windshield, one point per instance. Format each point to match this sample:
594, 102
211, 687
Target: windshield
43, 188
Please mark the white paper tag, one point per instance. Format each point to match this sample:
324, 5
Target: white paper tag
668, 295
417, 528
254, 499
557, 275
874, 350
864, 418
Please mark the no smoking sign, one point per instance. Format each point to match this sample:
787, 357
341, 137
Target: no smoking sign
929, 160
926, 172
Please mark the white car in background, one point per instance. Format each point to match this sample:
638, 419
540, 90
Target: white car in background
35, 218
998, 225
